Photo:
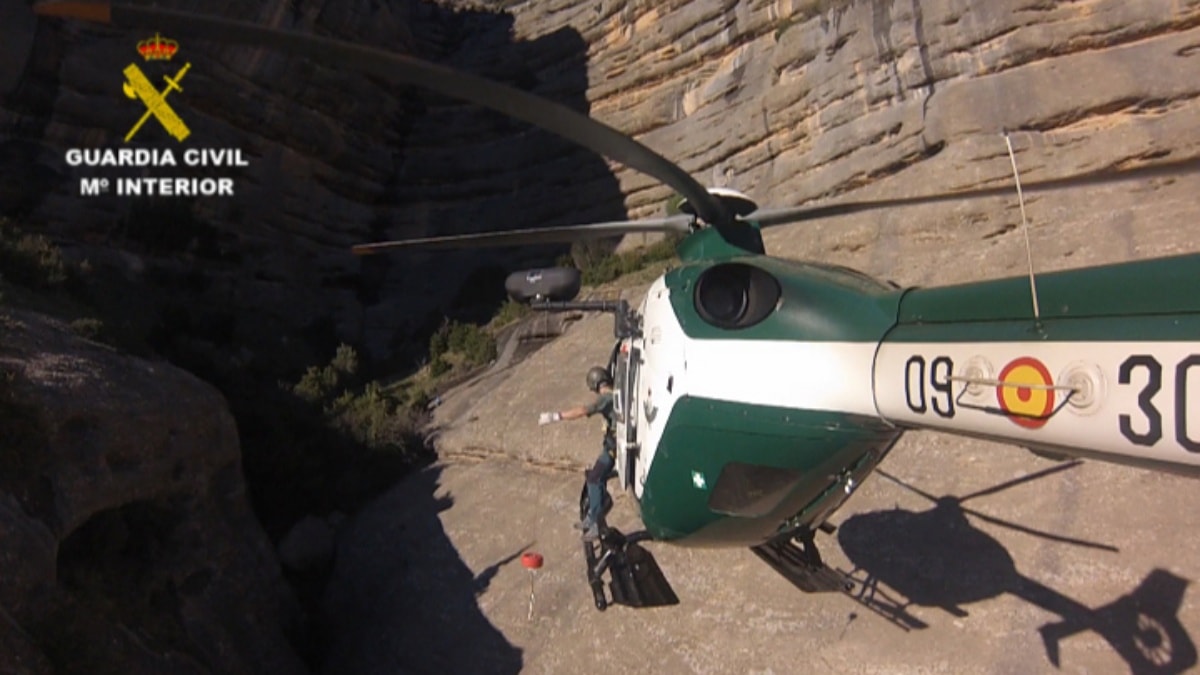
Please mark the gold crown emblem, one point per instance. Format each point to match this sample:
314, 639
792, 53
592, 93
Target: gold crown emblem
157, 48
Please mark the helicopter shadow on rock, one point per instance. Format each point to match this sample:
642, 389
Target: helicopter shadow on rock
937, 558
401, 598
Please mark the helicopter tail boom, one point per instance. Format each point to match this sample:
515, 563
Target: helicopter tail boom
1109, 370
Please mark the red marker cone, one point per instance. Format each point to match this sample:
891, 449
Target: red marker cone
532, 562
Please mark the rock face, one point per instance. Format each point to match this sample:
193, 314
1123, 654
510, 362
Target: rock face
796, 100
129, 544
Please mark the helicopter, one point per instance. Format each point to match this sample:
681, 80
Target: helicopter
716, 447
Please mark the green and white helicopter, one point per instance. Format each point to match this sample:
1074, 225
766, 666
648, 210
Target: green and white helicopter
755, 393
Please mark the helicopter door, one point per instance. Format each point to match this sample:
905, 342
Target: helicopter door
627, 442
619, 366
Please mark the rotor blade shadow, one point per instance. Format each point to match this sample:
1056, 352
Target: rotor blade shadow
1000, 521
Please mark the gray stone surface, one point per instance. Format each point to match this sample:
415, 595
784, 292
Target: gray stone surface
979, 592
128, 540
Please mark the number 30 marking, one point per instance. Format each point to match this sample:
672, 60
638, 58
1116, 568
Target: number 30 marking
1153, 418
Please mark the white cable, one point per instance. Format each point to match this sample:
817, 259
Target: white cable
1024, 227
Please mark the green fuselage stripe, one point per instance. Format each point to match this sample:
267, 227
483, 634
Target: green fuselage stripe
1164, 286
1180, 327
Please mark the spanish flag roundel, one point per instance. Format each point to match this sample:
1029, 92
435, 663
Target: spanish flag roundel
1026, 406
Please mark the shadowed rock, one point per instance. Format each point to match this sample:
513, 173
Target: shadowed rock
129, 544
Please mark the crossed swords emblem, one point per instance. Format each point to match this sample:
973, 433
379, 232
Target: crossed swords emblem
139, 86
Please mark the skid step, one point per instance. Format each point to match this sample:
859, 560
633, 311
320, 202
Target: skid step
798, 561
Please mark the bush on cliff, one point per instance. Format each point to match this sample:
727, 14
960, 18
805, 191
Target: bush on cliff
606, 268
30, 260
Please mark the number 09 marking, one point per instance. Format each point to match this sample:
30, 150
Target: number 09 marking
940, 370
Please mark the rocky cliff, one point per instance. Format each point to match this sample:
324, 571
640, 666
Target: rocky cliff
129, 544
797, 100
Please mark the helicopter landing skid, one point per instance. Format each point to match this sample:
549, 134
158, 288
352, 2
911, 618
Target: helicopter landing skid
636, 579
798, 561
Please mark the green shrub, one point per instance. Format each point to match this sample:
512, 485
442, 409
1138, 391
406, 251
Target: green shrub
321, 383
373, 418
509, 312
417, 397
31, 260
325, 441
590, 253
368, 415
472, 343
438, 344
345, 360
89, 328
614, 266
663, 249
317, 384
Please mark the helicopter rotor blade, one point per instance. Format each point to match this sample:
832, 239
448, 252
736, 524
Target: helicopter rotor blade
772, 217
546, 235
402, 69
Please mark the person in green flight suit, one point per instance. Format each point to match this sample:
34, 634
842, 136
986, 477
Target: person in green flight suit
600, 382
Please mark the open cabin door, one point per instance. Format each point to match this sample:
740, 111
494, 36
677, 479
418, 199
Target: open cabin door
626, 368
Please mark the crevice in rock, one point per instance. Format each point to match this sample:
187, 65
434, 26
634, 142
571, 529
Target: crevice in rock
1004, 229
1098, 41
1082, 117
